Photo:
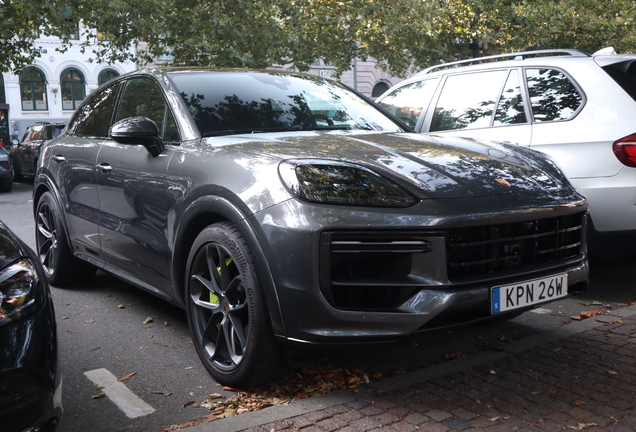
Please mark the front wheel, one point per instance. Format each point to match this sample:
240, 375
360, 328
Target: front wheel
227, 313
60, 266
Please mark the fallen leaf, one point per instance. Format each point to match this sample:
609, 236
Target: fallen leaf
121, 306
99, 395
579, 403
167, 324
492, 372
494, 419
558, 349
148, 320
159, 392
188, 403
64, 317
90, 321
611, 372
587, 314
582, 426
125, 377
215, 396
189, 367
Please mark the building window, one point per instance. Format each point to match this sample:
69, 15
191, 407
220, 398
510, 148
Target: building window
73, 88
33, 89
106, 75
379, 89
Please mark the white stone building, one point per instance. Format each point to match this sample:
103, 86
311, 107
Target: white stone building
52, 87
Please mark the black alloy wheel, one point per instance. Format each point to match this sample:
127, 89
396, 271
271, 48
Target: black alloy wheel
60, 266
227, 313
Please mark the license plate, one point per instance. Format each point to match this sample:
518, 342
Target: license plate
508, 297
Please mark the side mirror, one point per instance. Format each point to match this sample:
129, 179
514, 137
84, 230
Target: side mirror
15, 142
138, 130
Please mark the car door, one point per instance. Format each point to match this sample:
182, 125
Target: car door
133, 194
486, 105
72, 163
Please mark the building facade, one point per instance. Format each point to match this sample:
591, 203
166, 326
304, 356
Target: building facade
51, 88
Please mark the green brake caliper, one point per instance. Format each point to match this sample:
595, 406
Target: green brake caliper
213, 297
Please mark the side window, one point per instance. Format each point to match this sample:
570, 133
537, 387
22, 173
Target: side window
510, 109
142, 97
407, 102
552, 95
468, 101
96, 116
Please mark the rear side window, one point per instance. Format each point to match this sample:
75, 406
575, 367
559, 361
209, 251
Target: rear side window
467, 101
95, 117
552, 95
624, 73
407, 102
510, 109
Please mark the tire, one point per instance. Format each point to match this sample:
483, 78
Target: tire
227, 313
6, 185
17, 172
60, 266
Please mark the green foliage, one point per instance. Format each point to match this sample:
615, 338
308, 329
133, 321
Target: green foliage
403, 35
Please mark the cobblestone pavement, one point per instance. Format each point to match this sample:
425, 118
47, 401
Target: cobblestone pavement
583, 381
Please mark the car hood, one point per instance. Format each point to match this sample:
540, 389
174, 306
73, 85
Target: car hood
11, 248
429, 166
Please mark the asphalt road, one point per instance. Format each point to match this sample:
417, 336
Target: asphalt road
111, 325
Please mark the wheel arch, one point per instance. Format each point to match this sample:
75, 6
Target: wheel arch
209, 210
41, 185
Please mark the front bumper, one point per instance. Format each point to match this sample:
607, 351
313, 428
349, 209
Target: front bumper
379, 276
30, 384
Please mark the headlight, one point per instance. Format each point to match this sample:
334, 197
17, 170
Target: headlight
333, 182
17, 291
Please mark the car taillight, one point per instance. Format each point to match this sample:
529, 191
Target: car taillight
625, 150
5, 164
1, 144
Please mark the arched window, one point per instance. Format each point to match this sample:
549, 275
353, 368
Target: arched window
379, 89
73, 88
106, 75
33, 89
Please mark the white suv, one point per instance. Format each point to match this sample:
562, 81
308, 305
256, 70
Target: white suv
578, 108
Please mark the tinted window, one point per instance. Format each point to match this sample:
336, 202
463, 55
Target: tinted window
95, 117
228, 103
624, 73
143, 97
510, 108
552, 95
468, 101
407, 102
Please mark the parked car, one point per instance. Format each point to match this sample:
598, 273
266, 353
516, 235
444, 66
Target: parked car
576, 107
283, 210
6, 171
25, 154
30, 385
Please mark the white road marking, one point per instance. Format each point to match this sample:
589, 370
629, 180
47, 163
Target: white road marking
121, 395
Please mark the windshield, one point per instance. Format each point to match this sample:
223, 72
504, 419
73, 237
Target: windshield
225, 103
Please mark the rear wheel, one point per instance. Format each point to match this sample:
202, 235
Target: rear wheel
60, 266
227, 313
6, 185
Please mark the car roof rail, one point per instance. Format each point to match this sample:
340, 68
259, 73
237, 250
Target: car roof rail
514, 56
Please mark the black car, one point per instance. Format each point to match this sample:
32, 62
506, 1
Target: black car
6, 171
25, 154
282, 209
30, 384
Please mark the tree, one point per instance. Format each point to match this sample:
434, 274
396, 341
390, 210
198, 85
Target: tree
403, 35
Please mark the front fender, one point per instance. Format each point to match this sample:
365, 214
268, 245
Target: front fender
207, 210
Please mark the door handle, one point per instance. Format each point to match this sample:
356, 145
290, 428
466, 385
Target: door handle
58, 158
105, 168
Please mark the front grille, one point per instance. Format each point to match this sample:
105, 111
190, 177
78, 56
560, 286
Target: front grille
484, 250
379, 271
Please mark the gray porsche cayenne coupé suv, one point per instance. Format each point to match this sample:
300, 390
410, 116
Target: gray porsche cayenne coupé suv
284, 210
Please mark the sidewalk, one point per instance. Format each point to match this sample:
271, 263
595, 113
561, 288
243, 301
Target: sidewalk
579, 377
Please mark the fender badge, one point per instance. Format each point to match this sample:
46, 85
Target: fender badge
503, 182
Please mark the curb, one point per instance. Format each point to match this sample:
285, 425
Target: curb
304, 406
